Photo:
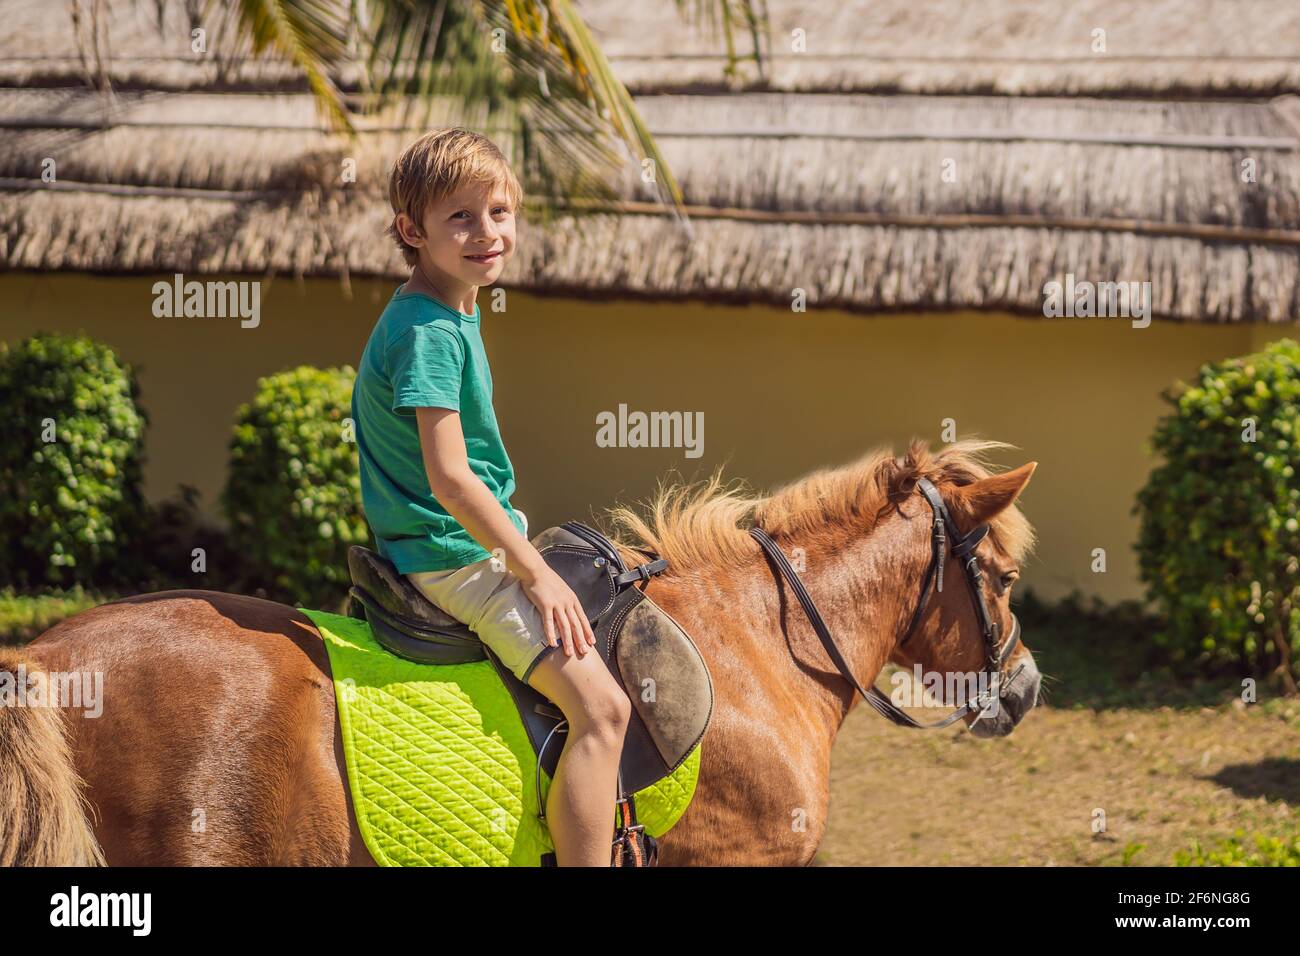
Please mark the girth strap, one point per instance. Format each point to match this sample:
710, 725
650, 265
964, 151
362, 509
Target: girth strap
642, 572
607, 550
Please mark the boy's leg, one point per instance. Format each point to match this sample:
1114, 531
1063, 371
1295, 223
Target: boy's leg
580, 804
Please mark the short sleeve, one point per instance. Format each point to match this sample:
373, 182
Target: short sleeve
426, 364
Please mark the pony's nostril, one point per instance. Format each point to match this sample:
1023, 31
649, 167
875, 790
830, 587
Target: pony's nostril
1015, 706
1027, 700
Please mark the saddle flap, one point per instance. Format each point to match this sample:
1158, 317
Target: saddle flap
663, 674
666, 679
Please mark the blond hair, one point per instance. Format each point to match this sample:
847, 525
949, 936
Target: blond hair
436, 165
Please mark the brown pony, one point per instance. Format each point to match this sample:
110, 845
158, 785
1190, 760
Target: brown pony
218, 741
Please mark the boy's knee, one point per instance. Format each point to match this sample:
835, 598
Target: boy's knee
620, 709
590, 705
607, 712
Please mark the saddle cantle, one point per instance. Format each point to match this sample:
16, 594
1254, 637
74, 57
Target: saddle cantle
650, 655
403, 621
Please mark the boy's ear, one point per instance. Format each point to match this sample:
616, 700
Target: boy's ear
408, 230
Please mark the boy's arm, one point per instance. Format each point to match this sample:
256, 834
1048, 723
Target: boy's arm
426, 364
465, 496
468, 500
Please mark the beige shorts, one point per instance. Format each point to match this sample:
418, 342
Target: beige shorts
492, 602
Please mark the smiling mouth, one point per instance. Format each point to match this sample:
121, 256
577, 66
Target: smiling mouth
486, 257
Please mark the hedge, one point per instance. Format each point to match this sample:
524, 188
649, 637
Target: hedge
293, 498
1220, 518
71, 508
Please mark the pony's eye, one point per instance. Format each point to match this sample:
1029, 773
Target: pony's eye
1009, 579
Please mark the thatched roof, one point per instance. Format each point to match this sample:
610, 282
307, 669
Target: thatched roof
841, 195
1020, 47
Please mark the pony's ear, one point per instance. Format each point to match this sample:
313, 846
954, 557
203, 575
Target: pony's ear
979, 502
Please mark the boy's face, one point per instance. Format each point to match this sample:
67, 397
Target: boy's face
468, 235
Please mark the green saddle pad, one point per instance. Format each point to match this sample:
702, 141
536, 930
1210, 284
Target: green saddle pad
439, 764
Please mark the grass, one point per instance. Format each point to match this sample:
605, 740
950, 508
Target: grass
24, 617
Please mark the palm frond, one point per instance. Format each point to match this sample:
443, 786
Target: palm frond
527, 72
540, 79
312, 34
724, 16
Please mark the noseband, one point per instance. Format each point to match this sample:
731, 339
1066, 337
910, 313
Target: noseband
963, 549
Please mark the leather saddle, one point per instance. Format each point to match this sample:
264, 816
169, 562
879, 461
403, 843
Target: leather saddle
653, 659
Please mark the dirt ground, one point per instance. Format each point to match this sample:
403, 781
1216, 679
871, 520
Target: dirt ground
1161, 776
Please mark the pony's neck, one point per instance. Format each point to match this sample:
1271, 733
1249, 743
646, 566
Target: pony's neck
865, 589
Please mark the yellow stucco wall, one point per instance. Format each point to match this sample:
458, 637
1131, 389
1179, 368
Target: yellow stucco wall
781, 394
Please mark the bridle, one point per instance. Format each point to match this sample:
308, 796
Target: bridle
963, 549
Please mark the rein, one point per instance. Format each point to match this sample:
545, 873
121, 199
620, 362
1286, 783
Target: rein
963, 548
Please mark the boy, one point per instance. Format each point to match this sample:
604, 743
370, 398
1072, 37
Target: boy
436, 480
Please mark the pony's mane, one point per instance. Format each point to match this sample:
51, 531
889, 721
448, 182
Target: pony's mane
705, 524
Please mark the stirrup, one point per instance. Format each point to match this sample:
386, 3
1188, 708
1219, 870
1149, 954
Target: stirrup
632, 846
561, 727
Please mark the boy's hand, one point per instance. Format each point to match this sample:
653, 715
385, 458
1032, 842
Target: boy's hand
561, 611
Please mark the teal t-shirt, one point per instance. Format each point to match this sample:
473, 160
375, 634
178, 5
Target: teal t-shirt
424, 354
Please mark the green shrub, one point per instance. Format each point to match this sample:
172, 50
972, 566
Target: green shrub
1220, 519
293, 498
1234, 851
71, 508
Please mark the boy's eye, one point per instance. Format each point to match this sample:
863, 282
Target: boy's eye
499, 210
